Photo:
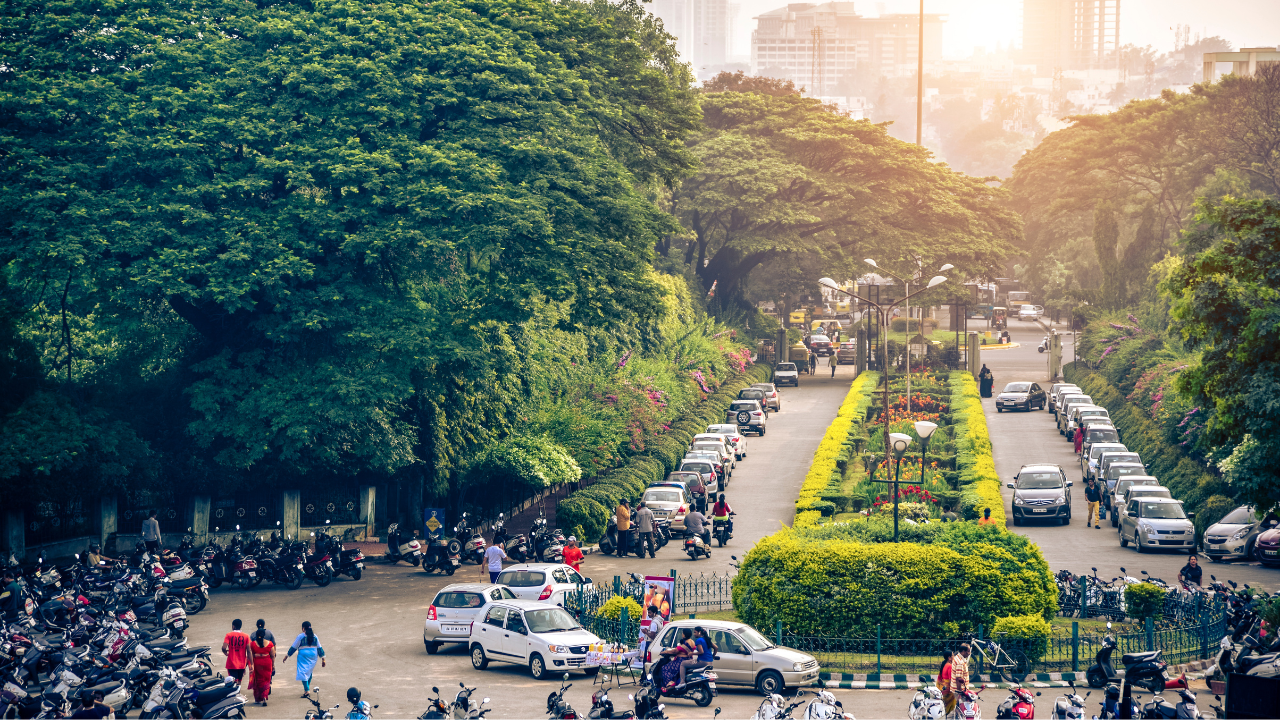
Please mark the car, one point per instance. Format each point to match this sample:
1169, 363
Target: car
1159, 524
820, 345
786, 373
717, 460
1140, 488
1090, 457
1041, 492
544, 582
668, 501
539, 635
751, 393
1087, 422
1057, 390
717, 444
1065, 401
748, 414
1083, 411
1267, 546
847, 353
1122, 487
1029, 312
1026, 395
1234, 537
453, 610
1096, 435
705, 468
746, 658
772, 399
1114, 466
730, 432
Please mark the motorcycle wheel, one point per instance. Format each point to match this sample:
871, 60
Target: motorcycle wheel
324, 578
194, 603
214, 582
451, 569
1095, 678
355, 574
295, 580
720, 540
257, 581
416, 561
701, 696
245, 583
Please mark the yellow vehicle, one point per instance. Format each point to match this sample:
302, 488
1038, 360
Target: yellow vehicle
798, 318
843, 307
999, 318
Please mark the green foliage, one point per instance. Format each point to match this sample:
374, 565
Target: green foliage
1033, 632
1269, 612
534, 462
1144, 600
612, 609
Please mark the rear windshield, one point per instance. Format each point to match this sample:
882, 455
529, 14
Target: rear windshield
1119, 472
819, 338
723, 429
754, 393
1102, 435
682, 477
458, 600
662, 496
744, 406
702, 467
787, 367
708, 446
522, 578
1098, 449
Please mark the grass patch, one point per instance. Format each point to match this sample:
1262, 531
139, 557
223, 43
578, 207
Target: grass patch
731, 615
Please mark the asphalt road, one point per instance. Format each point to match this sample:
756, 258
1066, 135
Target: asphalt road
1020, 438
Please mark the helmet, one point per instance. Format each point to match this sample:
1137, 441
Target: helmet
94, 548
353, 695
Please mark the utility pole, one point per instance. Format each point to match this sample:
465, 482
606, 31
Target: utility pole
919, 101
816, 69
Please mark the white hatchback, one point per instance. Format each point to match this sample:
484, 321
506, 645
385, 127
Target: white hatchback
541, 636
544, 582
454, 609
730, 432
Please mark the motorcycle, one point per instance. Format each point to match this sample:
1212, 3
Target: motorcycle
1069, 706
825, 706
441, 554
557, 707
1111, 702
1161, 709
473, 543
648, 702
695, 547
720, 529
516, 547
360, 710
548, 544
345, 562
927, 704
967, 707
775, 707
699, 685
319, 566
400, 548
1145, 669
460, 709
1020, 705
602, 707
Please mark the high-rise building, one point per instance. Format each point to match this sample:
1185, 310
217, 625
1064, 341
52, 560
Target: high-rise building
814, 45
1070, 34
701, 29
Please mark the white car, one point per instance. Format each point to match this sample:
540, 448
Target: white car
1029, 312
717, 445
544, 582
454, 609
786, 374
730, 432
745, 657
536, 634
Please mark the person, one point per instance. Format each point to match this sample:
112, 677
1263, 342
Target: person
262, 625
986, 379
699, 493
151, 532
695, 524
263, 666
649, 628
813, 362
1191, 572
11, 599
832, 362
94, 559
1078, 436
494, 554
92, 705
944, 683
572, 555
705, 653
623, 515
676, 656
236, 647
309, 650
949, 516
986, 517
1094, 496
644, 531
960, 669
721, 511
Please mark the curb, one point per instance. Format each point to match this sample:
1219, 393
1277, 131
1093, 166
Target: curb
886, 681
999, 346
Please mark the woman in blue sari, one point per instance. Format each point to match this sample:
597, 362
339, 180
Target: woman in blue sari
309, 650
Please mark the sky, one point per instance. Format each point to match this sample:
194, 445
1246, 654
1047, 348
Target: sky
992, 23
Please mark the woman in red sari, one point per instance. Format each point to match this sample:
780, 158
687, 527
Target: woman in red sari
263, 652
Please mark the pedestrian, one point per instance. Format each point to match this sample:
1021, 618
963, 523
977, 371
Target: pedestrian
236, 647
948, 516
309, 650
11, 599
1191, 572
813, 362
151, 532
1078, 436
960, 669
986, 517
1094, 496
986, 379
623, 516
644, 530
263, 667
262, 625
944, 683
649, 628
494, 554
572, 555
92, 705
832, 362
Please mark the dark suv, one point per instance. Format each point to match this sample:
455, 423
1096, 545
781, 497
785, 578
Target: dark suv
1041, 492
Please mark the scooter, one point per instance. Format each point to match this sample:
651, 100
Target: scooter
825, 706
403, 548
967, 707
1111, 702
1161, 709
695, 547
648, 702
473, 543
438, 558
927, 704
516, 547
556, 705
720, 529
360, 710
1020, 705
699, 685
548, 544
602, 707
1069, 706
345, 562
775, 707
1145, 669
609, 541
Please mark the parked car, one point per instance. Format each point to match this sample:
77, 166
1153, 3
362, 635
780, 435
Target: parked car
539, 635
453, 610
1139, 489
710, 478
1157, 523
748, 414
1088, 422
1114, 466
731, 432
1065, 401
772, 399
716, 459
1090, 457
1122, 487
747, 658
717, 444
1234, 537
786, 374
1079, 412
1267, 546
1097, 435
820, 345
847, 353
544, 582
1026, 395
1057, 389
669, 501
1041, 492
750, 393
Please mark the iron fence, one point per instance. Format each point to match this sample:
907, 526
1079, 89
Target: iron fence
248, 512
338, 506
53, 521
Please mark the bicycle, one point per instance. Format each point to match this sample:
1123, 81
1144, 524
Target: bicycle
997, 660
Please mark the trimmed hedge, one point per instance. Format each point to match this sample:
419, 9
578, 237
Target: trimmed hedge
980, 484
585, 513
1033, 630
823, 470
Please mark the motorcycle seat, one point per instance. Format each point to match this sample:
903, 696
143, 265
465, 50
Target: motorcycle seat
105, 688
178, 662
193, 582
209, 697
164, 644
1135, 658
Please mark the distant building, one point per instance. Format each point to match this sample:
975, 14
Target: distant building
1070, 34
814, 45
1244, 62
701, 29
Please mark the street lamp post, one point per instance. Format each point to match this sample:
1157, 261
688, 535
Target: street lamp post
906, 286
901, 441
924, 429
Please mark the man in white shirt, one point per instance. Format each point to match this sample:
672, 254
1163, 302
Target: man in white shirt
151, 533
495, 555
650, 628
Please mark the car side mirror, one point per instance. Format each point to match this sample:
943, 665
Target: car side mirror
1191, 516
1008, 485
1070, 483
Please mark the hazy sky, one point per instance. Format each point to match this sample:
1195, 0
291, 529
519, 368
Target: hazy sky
970, 23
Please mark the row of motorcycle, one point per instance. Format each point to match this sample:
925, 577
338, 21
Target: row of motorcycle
440, 552
247, 561
1103, 598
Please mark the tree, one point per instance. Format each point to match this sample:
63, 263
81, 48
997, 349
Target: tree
1106, 236
1242, 125
741, 82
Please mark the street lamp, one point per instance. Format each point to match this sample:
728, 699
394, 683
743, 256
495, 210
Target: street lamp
899, 447
907, 288
924, 429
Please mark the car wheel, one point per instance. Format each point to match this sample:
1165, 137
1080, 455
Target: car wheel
432, 647
1137, 544
478, 659
769, 682
1017, 521
1124, 542
762, 432
591, 671
999, 410
1066, 520
537, 667
1027, 407
1248, 551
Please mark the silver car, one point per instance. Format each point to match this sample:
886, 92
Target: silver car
718, 445
730, 432
669, 501
1057, 390
453, 610
1090, 457
1064, 408
746, 658
773, 399
1233, 537
1117, 494
1116, 465
1080, 412
705, 469
1139, 489
1157, 524
749, 415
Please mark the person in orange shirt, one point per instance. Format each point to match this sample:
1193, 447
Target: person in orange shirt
236, 647
572, 555
986, 517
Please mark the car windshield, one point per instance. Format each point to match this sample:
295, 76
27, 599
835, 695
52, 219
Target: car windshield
1017, 387
1239, 516
1163, 510
786, 367
522, 578
1102, 435
550, 620
753, 639
662, 496
1039, 480
1119, 472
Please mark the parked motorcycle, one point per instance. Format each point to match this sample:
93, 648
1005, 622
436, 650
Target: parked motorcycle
473, 542
402, 547
1145, 669
345, 562
557, 706
516, 547
1069, 706
1020, 705
1161, 709
318, 566
602, 707
548, 543
967, 707
825, 706
927, 704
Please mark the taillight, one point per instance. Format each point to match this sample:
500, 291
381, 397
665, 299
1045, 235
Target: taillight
682, 509
431, 613
546, 593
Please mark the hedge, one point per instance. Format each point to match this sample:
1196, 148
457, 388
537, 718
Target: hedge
1200, 491
809, 504
1033, 630
585, 512
980, 485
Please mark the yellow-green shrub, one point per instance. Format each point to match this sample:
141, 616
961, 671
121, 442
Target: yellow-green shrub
612, 609
1144, 600
1031, 631
973, 450
809, 504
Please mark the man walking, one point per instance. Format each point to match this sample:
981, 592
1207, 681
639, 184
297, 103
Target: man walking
644, 530
572, 555
1094, 496
236, 647
494, 554
151, 533
832, 362
623, 515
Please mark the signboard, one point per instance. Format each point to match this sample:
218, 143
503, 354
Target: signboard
661, 593
433, 518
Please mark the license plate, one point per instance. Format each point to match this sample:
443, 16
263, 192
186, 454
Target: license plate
455, 629
711, 685
253, 574
1215, 547
1268, 552
177, 623
360, 565
1039, 509
453, 560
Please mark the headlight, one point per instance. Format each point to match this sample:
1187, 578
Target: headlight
1018, 501
797, 667
1241, 533
1059, 500
559, 649
1144, 527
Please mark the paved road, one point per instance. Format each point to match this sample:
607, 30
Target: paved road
1021, 438
372, 629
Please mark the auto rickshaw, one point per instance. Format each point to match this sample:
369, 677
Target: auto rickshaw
999, 318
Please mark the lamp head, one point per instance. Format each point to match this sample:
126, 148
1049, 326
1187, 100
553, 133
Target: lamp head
898, 443
924, 429
870, 262
937, 280
828, 282
946, 267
